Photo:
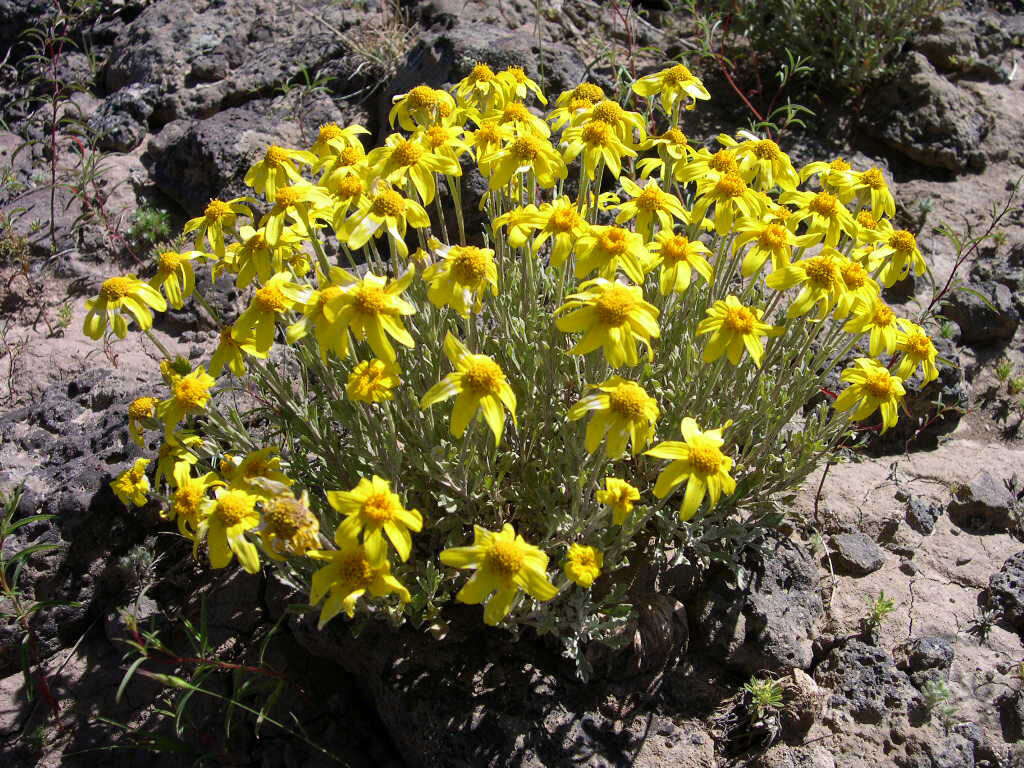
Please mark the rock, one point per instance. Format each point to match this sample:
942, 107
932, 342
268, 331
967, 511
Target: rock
802, 704
1006, 591
922, 514
771, 624
785, 756
967, 45
923, 653
856, 554
985, 505
954, 751
983, 322
929, 120
122, 120
866, 683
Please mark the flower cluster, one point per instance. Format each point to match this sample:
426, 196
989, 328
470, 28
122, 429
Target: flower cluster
624, 279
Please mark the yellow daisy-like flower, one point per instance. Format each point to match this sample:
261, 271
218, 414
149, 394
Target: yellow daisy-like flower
485, 142
188, 498
583, 565
277, 169
623, 410
526, 153
175, 275
730, 195
225, 519
875, 317
334, 168
301, 203
769, 239
650, 202
679, 258
761, 161
288, 527
704, 163
598, 142
571, 105
332, 140
917, 350
372, 309
253, 258
618, 495
871, 388
560, 220
518, 86
833, 176
275, 298
519, 119
320, 315
218, 217
461, 278
672, 146
419, 107
672, 85
480, 88
402, 158
372, 381
607, 249
519, 224
821, 279
140, 410
176, 454
132, 485
348, 575
699, 462
117, 296
733, 328
375, 511
476, 383
872, 192
231, 350
858, 285
629, 127
189, 395
259, 472
384, 211
612, 316
903, 257
829, 218
504, 564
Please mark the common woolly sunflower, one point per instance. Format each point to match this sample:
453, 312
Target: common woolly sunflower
875, 317
223, 523
677, 84
372, 309
119, 295
375, 512
583, 565
132, 485
175, 275
278, 296
332, 140
419, 107
622, 410
372, 381
189, 395
607, 249
829, 218
734, 328
383, 211
612, 316
762, 162
769, 239
402, 158
219, 217
277, 169
731, 197
699, 462
461, 278
288, 527
648, 203
917, 350
349, 574
820, 279
599, 144
872, 388
678, 258
526, 153
618, 496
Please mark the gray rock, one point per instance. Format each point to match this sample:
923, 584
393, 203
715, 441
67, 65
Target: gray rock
772, 623
923, 653
922, 514
929, 120
786, 756
985, 505
954, 751
967, 45
867, 684
802, 706
856, 554
981, 322
1006, 591
122, 120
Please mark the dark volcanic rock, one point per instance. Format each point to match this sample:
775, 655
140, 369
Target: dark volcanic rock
122, 120
867, 684
856, 554
771, 624
1006, 591
922, 514
985, 505
983, 322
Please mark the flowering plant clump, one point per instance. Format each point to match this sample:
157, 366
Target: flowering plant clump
625, 365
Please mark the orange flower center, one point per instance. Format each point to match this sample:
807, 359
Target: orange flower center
186, 501
824, 204
515, 112
169, 261
866, 220
422, 96
481, 73
370, 299
589, 91
731, 185
879, 385
651, 199
141, 408
379, 508
330, 131
388, 203
821, 272
614, 306
723, 161
903, 242
116, 288
919, 345
286, 516
351, 155
436, 136
483, 377
614, 241
277, 156
677, 75
883, 315
855, 276
288, 196
608, 112
596, 133
675, 136
505, 557
767, 150
270, 299
773, 236
739, 320
233, 507
706, 459
355, 571
565, 220
839, 165
675, 249
350, 186
469, 264
217, 209
526, 148
190, 392
873, 178
408, 153
628, 400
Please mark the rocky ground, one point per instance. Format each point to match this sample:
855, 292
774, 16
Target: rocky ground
184, 96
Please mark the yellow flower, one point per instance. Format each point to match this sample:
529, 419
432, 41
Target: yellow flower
917, 349
583, 565
302, 203
225, 520
699, 462
612, 316
461, 278
253, 258
516, 116
619, 496
419, 107
486, 141
904, 257
570, 105
140, 410
132, 485
606, 249
871, 388
704, 163
526, 153
189, 395
626, 125
288, 527
476, 383
480, 88
560, 220
333, 140
230, 351
320, 314
672, 85
259, 472
401, 158
445, 141
188, 499
829, 217
118, 294
218, 217
372, 310
761, 160
876, 317
678, 258
372, 509
730, 195
672, 146
335, 168
599, 143
175, 274
349, 575
275, 298
519, 222
872, 192
623, 410
504, 564
833, 176
733, 328
277, 169
372, 381
518, 86
821, 279
649, 202
771, 239
384, 211
177, 454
